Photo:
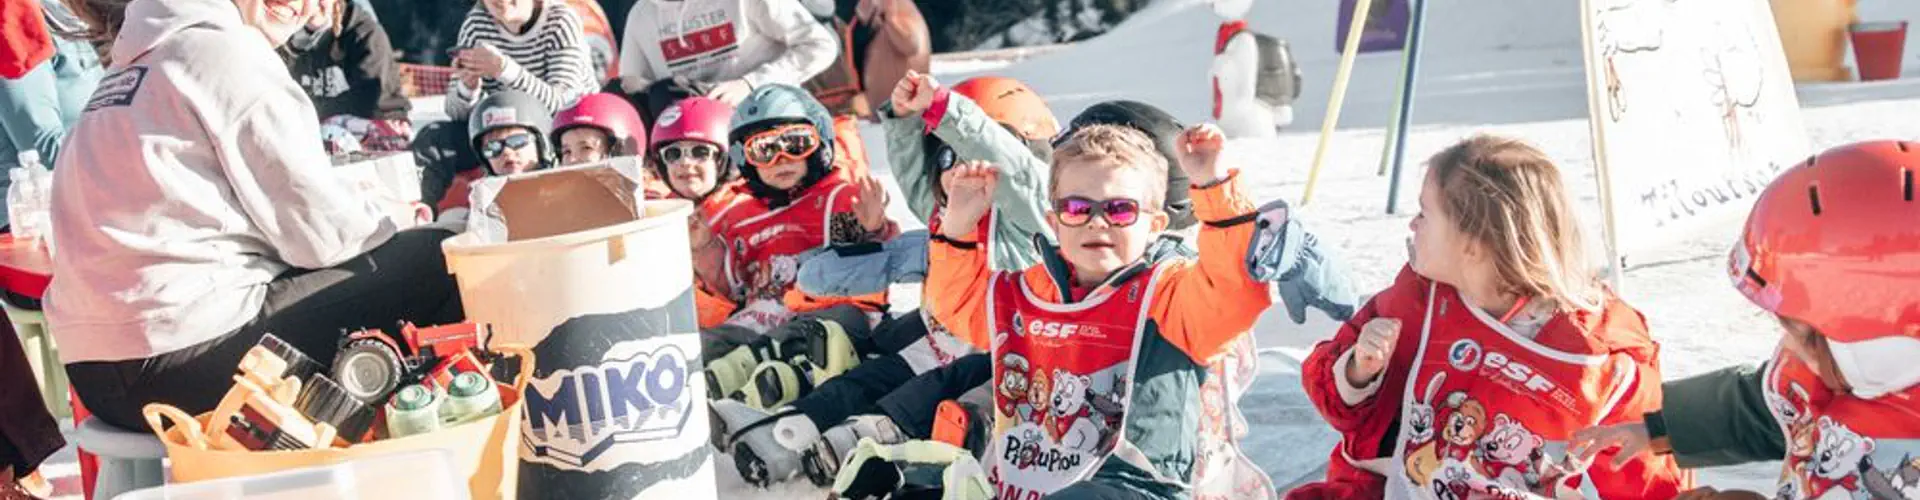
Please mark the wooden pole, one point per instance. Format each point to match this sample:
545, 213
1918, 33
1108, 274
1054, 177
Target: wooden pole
1347, 54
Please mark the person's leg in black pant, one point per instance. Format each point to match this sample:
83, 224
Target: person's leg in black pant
914, 404
404, 280
442, 149
859, 388
28, 432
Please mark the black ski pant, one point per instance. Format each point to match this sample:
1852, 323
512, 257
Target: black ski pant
28, 432
888, 384
403, 280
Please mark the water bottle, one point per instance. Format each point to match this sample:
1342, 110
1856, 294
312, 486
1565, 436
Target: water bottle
414, 410
471, 396
39, 198
20, 191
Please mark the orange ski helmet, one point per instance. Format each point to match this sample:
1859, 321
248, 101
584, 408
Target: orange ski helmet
1834, 242
1012, 104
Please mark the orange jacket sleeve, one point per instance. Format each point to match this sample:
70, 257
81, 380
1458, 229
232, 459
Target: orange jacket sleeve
957, 283
1208, 303
713, 309
1647, 475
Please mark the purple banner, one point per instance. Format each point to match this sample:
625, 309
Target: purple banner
1385, 30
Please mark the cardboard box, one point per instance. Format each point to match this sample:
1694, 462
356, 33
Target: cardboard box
557, 201
391, 180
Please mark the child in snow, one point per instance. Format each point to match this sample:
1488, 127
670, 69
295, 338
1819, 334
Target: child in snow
536, 47
1830, 250
348, 67
797, 199
991, 118
688, 149
599, 127
509, 129
1110, 336
1467, 375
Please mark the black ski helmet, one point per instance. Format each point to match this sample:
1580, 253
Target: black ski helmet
511, 108
1165, 132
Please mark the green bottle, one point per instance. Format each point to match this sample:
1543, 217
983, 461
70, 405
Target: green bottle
469, 397
414, 410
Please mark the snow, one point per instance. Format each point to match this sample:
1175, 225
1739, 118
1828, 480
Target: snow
1496, 66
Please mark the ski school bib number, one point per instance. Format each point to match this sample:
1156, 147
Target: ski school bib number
1487, 411
1840, 446
1061, 375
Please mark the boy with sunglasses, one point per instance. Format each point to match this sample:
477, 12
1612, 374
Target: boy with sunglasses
1104, 318
509, 130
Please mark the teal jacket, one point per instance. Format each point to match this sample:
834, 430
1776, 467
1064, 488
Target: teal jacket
37, 108
1721, 418
1020, 202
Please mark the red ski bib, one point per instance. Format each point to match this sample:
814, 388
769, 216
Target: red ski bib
1061, 378
764, 245
1840, 446
1487, 410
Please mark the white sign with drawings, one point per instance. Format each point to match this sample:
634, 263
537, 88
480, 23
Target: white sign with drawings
1693, 113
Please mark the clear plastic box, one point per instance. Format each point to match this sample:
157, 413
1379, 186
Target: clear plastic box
424, 475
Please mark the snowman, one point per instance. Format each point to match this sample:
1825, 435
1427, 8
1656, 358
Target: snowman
1254, 78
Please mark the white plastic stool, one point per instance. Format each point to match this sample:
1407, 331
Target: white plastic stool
128, 460
37, 341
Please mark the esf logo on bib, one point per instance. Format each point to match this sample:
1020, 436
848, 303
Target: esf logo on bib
588, 417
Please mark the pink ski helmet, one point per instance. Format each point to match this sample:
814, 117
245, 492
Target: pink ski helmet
607, 112
693, 119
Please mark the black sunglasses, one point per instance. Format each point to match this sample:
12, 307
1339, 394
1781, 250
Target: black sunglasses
494, 148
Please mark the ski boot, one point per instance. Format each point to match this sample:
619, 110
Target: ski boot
769, 449
728, 373
914, 470
830, 351
823, 460
774, 384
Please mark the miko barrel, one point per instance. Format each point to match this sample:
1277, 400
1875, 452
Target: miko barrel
616, 407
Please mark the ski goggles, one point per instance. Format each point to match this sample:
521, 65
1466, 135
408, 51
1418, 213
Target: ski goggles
1075, 211
688, 150
792, 142
494, 148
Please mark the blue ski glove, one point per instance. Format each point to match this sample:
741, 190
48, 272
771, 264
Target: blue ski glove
865, 269
1285, 254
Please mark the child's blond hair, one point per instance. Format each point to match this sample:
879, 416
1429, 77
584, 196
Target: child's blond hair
1113, 146
1508, 196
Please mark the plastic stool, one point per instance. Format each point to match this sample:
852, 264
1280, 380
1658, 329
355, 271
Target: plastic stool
31, 326
128, 460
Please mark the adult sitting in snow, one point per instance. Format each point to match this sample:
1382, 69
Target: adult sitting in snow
196, 213
345, 62
533, 46
722, 49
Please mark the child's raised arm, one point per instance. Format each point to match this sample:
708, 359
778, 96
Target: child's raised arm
957, 260
1213, 301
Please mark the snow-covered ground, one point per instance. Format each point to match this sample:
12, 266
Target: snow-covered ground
1499, 66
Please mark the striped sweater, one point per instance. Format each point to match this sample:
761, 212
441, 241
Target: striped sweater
549, 61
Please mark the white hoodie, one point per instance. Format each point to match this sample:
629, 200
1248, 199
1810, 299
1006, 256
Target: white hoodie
194, 177
713, 41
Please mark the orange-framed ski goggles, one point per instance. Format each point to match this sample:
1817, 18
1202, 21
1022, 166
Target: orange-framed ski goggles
792, 141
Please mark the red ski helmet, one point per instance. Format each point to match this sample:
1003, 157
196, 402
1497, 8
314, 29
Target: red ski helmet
608, 112
693, 119
1834, 243
1013, 104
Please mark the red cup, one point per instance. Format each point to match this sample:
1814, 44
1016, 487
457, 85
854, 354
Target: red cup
1877, 48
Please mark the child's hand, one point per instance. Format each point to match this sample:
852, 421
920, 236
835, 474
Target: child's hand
1630, 438
970, 187
914, 94
871, 205
1199, 154
1371, 352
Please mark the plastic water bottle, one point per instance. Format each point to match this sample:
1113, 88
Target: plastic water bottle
470, 397
21, 190
414, 410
